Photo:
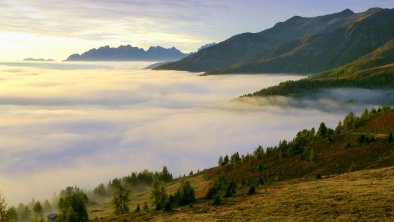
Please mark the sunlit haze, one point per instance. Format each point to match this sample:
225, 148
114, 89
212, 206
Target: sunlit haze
71, 115
56, 29
85, 123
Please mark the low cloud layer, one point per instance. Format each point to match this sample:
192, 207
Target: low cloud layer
79, 126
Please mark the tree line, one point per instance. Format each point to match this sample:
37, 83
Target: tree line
382, 79
72, 202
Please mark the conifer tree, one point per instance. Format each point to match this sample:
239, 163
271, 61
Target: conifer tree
159, 194
37, 208
121, 200
3, 208
72, 205
322, 132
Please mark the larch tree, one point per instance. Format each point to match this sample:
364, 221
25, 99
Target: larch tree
121, 200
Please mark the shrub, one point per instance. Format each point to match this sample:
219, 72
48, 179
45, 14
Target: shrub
391, 138
231, 189
184, 195
252, 190
361, 139
138, 209
167, 207
212, 191
217, 200
146, 207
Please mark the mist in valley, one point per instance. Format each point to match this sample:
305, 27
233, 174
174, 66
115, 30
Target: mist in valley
82, 124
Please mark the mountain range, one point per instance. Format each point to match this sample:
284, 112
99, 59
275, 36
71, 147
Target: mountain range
298, 45
129, 53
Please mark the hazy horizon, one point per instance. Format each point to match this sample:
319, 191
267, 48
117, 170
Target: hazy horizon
32, 28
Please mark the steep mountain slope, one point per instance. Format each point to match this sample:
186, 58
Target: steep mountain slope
382, 56
373, 71
326, 50
128, 53
299, 45
245, 46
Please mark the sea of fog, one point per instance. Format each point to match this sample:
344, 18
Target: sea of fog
85, 123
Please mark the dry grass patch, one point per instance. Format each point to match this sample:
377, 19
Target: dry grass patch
359, 196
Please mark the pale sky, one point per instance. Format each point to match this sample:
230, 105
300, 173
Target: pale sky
57, 28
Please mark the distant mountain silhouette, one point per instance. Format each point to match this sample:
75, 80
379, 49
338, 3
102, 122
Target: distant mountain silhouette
129, 53
38, 60
298, 45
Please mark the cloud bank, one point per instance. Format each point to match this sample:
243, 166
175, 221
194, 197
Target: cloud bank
80, 126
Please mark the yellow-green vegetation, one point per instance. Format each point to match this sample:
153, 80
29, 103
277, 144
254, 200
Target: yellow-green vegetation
381, 57
312, 177
372, 71
358, 196
342, 174
103, 209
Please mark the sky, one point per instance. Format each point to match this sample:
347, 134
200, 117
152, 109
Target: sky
57, 28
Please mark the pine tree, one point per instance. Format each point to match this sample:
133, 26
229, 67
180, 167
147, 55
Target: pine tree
220, 161
12, 215
25, 214
338, 128
37, 208
100, 190
72, 205
3, 209
231, 189
159, 194
166, 175
322, 130
349, 120
47, 207
225, 160
365, 115
184, 195
121, 200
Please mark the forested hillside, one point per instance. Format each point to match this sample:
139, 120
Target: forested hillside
313, 158
373, 71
